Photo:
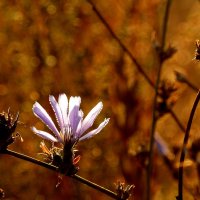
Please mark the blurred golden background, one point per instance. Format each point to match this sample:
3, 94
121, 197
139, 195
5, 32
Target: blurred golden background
52, 47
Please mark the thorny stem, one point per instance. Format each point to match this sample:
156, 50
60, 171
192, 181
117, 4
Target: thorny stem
183, 151
154, 119
54, 168
122, 45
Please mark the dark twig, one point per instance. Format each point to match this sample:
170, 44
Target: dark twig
154, 119
183, 151
54, 168
95, 186
121, 44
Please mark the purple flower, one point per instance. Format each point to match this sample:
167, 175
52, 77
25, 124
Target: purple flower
70, 120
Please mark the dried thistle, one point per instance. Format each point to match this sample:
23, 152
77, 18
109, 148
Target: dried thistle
7, 127
197, 51
2, 193
124, 192
72, 128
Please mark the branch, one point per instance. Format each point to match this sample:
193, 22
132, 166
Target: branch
120, 43
54, 168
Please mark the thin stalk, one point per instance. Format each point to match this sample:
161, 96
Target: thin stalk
29, 159
54, 168
121, 43
183, 151
164, 27
154, 117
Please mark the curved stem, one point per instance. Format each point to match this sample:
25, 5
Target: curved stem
54, 168
183, 151
29, 159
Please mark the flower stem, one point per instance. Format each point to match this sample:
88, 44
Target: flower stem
54, 168
183, 151
96, 186
29, 159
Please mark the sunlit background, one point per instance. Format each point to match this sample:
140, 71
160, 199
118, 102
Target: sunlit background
52, 47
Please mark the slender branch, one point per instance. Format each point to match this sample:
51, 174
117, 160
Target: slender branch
183, 151
95, 186
182, 79
54, 168
121, 44
191, 86
164, 27
29, 159
154, 119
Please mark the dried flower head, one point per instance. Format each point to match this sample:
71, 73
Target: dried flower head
124, 192
197, 52
7, 127
72, 127
2, 193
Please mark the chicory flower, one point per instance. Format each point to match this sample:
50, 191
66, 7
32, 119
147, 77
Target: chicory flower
70, 119
72, 129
